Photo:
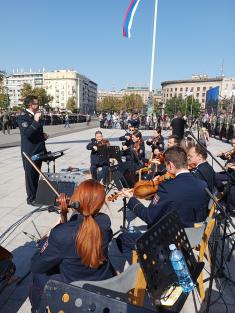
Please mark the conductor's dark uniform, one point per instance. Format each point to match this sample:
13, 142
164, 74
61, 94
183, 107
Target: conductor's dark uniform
32, 142
186, 194
59, 260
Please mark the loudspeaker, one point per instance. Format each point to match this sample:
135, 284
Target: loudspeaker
62, 182
45, 196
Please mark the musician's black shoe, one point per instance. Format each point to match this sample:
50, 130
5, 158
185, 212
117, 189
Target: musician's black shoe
31, 202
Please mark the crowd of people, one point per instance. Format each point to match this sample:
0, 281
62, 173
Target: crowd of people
78, 249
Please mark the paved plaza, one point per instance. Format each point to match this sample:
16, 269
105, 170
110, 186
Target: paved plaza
13, 207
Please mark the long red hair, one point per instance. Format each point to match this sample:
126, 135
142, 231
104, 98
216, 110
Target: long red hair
89, 240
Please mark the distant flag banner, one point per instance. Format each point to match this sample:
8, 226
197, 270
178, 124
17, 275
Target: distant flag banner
126, 29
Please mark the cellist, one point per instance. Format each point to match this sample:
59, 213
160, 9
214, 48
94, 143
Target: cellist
76, 250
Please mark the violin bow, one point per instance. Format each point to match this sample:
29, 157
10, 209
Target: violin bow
40, 173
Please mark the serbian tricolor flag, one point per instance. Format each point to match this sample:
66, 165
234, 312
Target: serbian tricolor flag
126, 29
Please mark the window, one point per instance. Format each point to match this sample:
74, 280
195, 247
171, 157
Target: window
198, 95
171, 95
203, 100
175, 89
171, 89
191, 89
204, 88
198, 88
181, 89
186, 88
203, 94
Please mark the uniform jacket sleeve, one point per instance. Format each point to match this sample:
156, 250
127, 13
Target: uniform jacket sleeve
91, 145
45, 260
27, 129
156, 209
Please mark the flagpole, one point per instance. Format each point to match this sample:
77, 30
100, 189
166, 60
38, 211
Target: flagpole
153, 47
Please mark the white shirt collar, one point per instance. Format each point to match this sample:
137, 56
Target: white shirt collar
181, 172
30, 112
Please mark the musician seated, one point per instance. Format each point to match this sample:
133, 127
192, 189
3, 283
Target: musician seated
96, 160
186, 194
76, 250
173, 140
156, 165
157, 141
197, 156
127, 138
135, 151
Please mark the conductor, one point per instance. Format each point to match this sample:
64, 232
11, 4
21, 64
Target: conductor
32, 142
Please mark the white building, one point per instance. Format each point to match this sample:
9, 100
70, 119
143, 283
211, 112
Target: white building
61, 85
15, 82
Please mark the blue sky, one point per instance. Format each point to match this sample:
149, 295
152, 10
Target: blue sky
193, 36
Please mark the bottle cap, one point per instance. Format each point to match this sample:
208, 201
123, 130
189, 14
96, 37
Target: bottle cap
172, 247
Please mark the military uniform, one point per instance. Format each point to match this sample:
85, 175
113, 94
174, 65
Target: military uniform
186, 194
97, 162
156, 143
59, 260
206, 172
32, 142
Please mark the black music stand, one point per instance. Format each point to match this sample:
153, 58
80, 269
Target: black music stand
153, 255
115, 178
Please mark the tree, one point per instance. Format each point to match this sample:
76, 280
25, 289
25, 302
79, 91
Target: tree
108, 104
41, 93
132, 102
71, 104
187, 105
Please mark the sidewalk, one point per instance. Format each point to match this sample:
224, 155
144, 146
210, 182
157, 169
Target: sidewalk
12, 140
13, 207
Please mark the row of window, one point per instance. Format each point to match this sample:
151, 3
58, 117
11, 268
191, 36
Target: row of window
188, 89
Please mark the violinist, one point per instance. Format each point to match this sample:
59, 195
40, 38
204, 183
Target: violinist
157, 141
173, 140
76, 250
135, 152
222, 177
197, 158
96, 161
186, 194
127, 138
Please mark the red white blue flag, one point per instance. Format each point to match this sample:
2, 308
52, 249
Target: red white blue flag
126, 29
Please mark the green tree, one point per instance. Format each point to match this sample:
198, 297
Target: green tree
71, 104
108, 104
132, 102
185, 106
41, 93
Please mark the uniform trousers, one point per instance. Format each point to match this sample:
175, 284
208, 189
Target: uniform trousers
104, 174
31, 179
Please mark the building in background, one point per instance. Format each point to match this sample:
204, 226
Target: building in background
15, 82
197, 86
60, 84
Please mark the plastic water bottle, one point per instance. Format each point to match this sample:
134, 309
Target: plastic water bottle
181, 269
35, 157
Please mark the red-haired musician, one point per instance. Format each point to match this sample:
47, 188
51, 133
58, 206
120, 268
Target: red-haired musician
76, 250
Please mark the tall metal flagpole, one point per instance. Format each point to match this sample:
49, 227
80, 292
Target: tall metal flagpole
150, 106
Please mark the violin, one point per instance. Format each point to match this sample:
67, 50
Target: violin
103, 142
144, 189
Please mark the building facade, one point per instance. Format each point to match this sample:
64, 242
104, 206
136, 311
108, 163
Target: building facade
197, 87
60, 84
14, 83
